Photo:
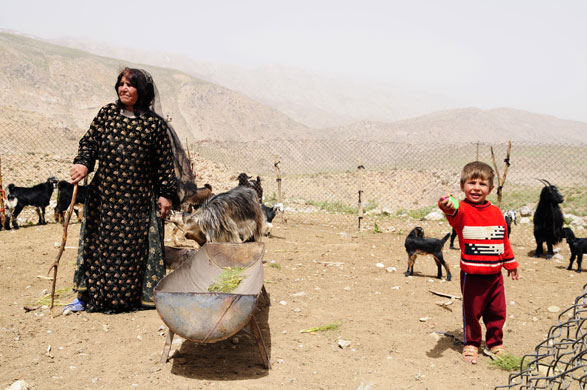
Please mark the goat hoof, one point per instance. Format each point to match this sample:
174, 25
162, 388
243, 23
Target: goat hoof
408, 273
448, 278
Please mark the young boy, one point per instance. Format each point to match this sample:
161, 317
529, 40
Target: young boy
485, 248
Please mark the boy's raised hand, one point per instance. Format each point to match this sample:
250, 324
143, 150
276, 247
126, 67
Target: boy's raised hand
446, 204
514, 274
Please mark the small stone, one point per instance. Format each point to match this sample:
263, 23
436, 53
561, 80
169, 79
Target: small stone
347, 288
380, 265
298, 294
391, 269
140, 338
283, 303
342, 344
18, 385
554, 309
423, 319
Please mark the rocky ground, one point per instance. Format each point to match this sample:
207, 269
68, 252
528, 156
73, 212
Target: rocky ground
394, 333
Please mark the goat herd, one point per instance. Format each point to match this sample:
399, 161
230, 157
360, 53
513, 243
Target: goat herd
239, 214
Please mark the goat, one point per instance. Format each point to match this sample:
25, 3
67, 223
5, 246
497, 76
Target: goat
64, 194
510, 216
268, 214
232, 216
416, 244
10, 204
578, 246
548, 220
245, 181
189, 195
37, 196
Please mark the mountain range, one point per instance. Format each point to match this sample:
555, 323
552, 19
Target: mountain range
63, 85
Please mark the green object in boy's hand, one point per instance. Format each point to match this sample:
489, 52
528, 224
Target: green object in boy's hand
455, 202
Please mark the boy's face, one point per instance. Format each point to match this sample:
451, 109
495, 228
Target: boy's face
476, 190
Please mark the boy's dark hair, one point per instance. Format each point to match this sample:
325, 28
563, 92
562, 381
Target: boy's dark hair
477, 170
144, 85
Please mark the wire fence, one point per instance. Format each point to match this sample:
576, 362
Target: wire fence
560, 360
324, 175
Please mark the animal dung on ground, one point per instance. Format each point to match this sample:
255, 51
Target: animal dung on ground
228, 280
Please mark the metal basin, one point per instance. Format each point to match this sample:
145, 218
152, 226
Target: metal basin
187, 307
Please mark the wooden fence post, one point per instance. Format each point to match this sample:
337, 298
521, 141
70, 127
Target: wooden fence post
360, 169
277, 165
501, 180
2, 197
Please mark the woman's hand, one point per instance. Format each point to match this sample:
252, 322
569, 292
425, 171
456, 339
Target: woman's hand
164, 206
78, 172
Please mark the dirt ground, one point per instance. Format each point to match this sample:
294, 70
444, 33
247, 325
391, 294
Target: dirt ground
319, 270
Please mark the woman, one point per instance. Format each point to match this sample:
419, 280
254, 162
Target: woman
120, 258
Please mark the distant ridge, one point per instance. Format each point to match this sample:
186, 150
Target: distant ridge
48, 86
469, 125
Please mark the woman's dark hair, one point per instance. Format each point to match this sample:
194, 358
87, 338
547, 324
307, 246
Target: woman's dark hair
143, 83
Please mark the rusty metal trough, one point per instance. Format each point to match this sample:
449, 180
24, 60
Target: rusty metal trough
189, 310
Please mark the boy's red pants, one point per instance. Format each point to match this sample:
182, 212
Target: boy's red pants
483, 296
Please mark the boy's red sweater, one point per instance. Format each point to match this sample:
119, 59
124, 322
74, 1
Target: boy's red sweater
483, 238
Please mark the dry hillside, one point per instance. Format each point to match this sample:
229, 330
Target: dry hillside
68, 86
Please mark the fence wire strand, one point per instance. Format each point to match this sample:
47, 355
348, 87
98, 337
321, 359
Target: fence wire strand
323, 175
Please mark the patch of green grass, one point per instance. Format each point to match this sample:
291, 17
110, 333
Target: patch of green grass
416, 213
46, 299
334, 207
507, 362
513, 198
322, 328
228, 280
276, 266
376, 228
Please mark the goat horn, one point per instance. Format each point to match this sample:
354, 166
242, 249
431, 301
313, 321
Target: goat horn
543, 182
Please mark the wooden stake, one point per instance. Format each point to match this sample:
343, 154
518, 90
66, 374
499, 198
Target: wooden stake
277, 164
501, 180
360, 168
55, 265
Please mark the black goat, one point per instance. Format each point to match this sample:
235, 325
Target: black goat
37, 196
245, 180
268, 214
510, 216
578, 246
548, 220
64, 194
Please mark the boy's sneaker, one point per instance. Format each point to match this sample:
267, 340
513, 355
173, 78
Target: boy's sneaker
77, 305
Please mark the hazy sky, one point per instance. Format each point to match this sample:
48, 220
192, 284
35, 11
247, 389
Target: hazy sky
528, 54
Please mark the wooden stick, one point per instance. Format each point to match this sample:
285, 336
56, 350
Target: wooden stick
501, 180
441, 294
360, 169
55, 265
277, 165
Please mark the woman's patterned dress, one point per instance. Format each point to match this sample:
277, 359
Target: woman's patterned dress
120, 257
